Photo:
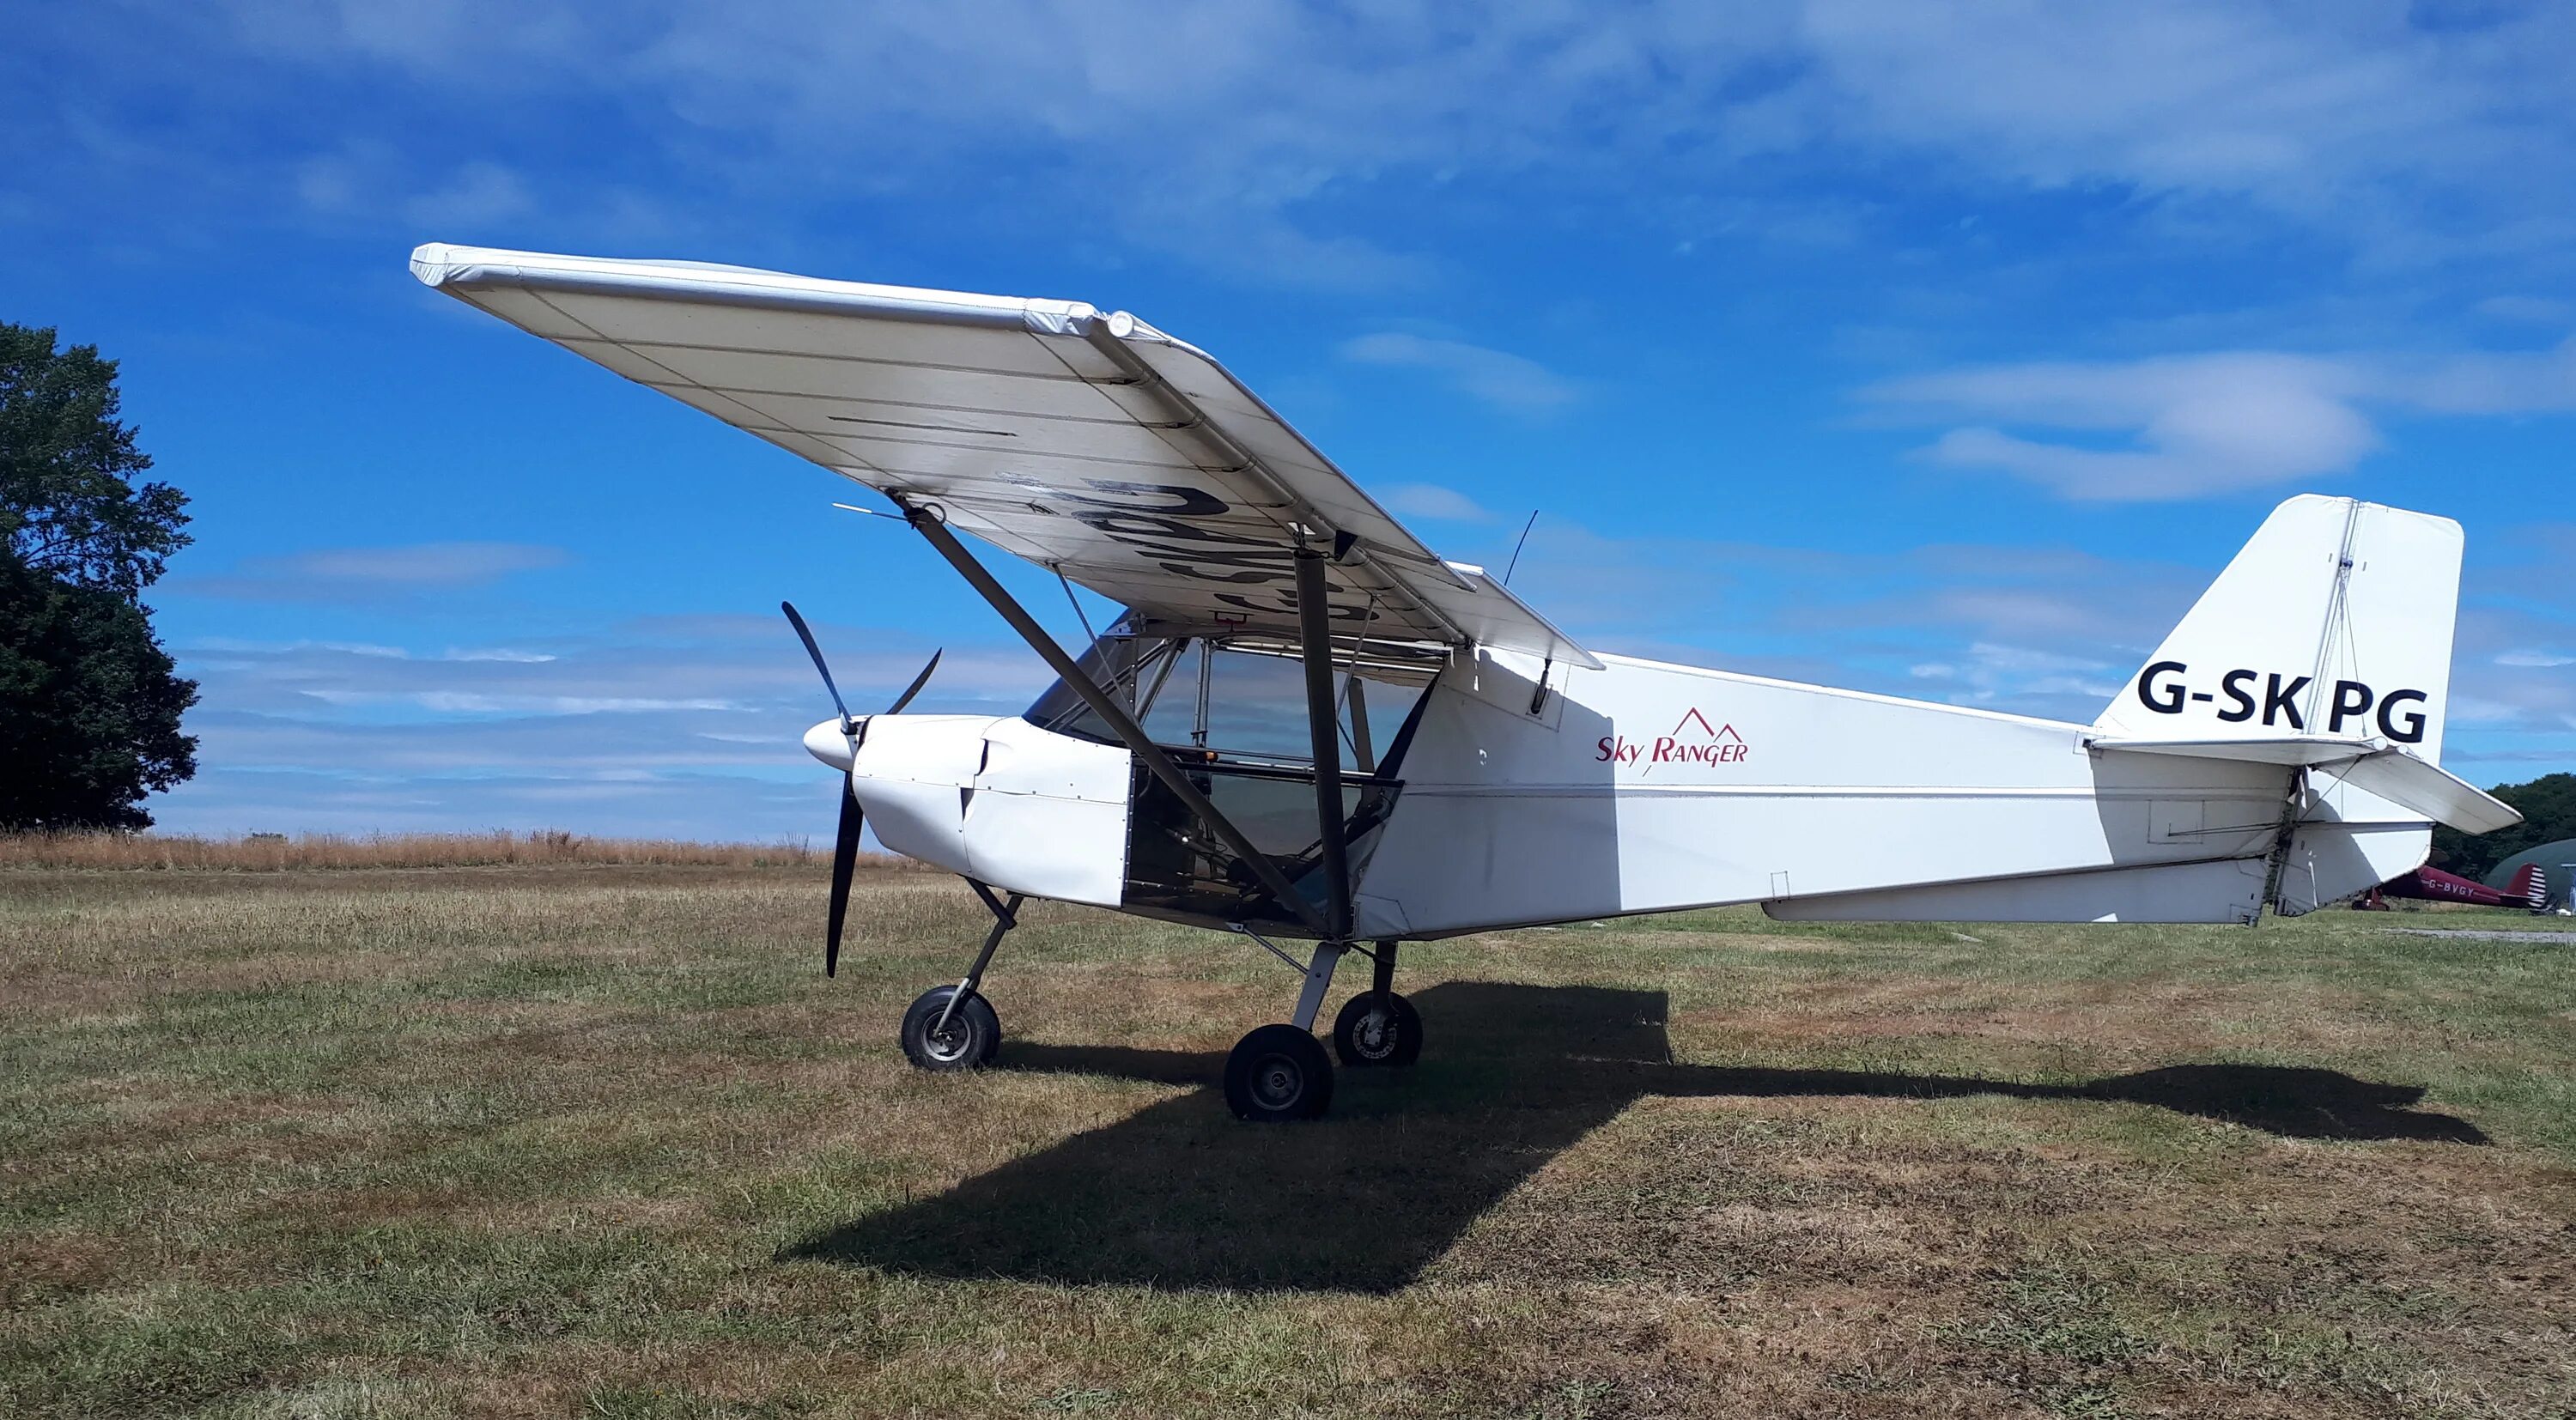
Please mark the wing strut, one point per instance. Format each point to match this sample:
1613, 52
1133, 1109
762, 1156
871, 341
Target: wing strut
1315, 626
1120, 723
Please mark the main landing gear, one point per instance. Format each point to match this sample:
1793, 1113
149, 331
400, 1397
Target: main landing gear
1277, 1073
1280, 1072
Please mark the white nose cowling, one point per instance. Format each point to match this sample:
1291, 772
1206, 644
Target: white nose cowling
829, 743
993, 797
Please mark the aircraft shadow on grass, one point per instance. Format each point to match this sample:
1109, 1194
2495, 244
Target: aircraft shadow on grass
1180, 1195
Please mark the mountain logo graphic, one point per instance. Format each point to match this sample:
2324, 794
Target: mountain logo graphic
1694, 740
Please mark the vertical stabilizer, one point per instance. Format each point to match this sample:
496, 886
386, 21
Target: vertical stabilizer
2335, 620
2529, 888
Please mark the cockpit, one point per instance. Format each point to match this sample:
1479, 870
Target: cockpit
1231, 711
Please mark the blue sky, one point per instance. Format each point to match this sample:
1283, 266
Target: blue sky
1944, 350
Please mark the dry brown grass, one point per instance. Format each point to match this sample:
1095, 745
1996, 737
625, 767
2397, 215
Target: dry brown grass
600, 1140
278, 852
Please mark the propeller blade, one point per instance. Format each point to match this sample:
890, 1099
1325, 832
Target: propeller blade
845, 861
918, 682
807, 636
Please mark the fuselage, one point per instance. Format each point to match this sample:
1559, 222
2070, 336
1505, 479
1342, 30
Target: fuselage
1639, 787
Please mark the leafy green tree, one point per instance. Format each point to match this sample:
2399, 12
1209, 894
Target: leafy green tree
2548, 806
68, 502
89, 702
89, 707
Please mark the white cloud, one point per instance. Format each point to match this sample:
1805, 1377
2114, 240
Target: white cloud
344, 573
1215, 128
2534, 659
2528, 310
434, 564
1430, 500
2309, 111
651, 716
476, 197
1497, 377
2191, 425
449, 702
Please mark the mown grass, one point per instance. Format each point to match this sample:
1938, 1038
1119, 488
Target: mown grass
600, 1140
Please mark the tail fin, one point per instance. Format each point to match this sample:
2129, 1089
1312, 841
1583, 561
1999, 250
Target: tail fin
2530, 886
2335, 620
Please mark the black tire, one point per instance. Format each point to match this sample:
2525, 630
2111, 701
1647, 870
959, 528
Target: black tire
1278, 1073
1369, 1033
973, 1032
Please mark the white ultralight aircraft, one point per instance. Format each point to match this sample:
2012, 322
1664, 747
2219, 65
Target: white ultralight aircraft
1309, 725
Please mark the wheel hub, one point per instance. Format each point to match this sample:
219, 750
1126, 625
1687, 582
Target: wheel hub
1277, 1082
1376, 1034
948, 1043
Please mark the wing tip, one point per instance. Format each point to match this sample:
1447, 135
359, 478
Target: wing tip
434, 262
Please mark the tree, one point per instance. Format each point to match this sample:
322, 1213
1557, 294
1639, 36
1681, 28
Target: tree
2548, 806
89, 702
89, 708
68, 505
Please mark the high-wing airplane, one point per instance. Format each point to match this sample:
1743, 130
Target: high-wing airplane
1308, 725
2528, 888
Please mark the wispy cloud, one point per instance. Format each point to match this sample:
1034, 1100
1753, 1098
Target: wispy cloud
1497, 377
2051, 631
2192, 425
644, 719
332, 574
1432, 501
477, 197
2381, 128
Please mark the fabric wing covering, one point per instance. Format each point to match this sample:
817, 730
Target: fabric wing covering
1091, 444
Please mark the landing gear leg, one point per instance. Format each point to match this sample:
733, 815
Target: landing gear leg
953, 1027
1280, 1072
1378, 1027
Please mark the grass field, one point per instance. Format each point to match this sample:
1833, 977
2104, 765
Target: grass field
600, 1140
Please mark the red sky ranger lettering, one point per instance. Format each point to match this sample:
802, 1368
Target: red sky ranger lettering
1691, 742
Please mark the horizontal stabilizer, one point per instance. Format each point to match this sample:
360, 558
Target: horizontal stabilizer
2283, 750
2432, 791
2373, 766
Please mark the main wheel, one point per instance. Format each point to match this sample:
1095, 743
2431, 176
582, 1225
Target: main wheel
1377, 1030
967, 1042
1278, 1073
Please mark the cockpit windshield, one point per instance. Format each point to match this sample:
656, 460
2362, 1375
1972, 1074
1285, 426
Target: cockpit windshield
1233, 713
1236, 703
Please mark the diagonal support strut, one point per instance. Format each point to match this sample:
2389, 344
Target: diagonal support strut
1323, 722
1151, 755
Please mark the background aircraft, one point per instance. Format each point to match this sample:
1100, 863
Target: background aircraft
2529, 887
1309, 725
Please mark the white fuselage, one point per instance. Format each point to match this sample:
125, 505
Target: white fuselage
1645, 787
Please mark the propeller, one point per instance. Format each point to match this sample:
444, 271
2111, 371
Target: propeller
845, 845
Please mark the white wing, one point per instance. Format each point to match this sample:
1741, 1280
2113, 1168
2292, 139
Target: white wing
1095, 445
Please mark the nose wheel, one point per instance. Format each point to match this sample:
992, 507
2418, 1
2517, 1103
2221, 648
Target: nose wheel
938, 1035
953, 1027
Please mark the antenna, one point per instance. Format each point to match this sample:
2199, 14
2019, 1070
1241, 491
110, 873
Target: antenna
1516, 547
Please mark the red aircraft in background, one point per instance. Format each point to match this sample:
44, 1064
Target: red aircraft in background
2529, 888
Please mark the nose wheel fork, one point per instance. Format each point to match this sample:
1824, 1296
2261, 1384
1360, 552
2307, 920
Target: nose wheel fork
954, 1027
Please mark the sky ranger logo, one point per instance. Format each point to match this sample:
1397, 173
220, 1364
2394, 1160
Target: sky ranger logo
1691, 742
